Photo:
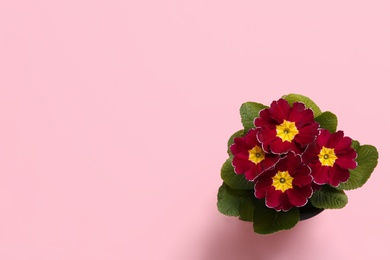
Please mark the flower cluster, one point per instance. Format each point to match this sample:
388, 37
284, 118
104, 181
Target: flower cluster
289, 163
287, 155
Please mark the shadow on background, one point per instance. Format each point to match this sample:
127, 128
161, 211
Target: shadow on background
234, 239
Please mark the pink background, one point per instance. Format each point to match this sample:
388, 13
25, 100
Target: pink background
114, 118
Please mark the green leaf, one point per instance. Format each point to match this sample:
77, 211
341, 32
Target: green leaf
267, 221
247, 207
227, 203
249, 111
327, 120
291, 98
235, 181
367, 161
329, 198
239, 133
235, 202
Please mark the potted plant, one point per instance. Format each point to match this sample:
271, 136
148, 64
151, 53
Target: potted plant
289, 163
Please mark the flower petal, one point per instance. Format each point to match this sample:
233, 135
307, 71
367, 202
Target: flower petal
274, 198
262, 186
240, 163
285, 204
264, 119
343, 145
306, 191
307, 134
323, 138
302, 180
338, 175
311, 154
320, 173
335, 138
251, 138
293, 163
347, 160
277, 146
268, 162
297, 148
296, 198
300, 115
251, 171
279, 110
239, 146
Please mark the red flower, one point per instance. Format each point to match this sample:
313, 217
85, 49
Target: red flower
249, 158
330, 157
287, 185
283, 128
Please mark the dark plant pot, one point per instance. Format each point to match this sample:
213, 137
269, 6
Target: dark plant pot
309, 211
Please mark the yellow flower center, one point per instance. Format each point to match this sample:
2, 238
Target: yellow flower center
286, 131
282, 181
327, 156
256, 154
